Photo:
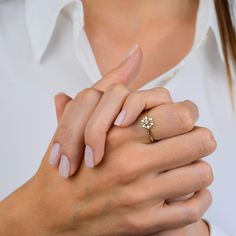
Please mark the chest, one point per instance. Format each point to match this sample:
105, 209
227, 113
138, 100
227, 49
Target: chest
162, 48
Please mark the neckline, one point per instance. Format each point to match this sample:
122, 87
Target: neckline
200, 36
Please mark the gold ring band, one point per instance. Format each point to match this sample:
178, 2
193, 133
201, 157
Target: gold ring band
151, 136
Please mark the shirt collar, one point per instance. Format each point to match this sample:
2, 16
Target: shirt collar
41, 19
42, 15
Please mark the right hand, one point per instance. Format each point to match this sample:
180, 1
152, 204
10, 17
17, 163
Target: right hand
125, 195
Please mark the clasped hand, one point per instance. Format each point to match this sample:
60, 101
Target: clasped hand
132, 186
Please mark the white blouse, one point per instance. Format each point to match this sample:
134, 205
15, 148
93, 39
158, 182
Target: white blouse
44, 50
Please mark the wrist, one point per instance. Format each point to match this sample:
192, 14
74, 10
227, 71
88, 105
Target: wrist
19, 214
11, 221
6, 219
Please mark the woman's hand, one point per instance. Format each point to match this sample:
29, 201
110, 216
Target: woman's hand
200, 228
110, 199
180, 116
103, 202
73, 115
125, 195
91, 114
135, 103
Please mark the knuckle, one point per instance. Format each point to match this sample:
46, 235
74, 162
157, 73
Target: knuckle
192, 104
118, 88
165, 94
186, 118
194, 108
206, 175
194, 213
196, 208
208, 196
89, 94
208, 142
133, 96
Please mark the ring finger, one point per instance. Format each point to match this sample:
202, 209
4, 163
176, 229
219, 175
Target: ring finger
170, 119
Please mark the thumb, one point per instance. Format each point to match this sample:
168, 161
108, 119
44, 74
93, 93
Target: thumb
61, 99
125, 72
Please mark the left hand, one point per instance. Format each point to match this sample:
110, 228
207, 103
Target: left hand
196, 229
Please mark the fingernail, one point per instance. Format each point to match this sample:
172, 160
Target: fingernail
64, 167
54, 154
120, 118
59, 93
131, 51
89, 157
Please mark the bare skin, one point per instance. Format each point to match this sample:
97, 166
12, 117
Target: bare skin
133, 103
101, 202
56, 216
159, 27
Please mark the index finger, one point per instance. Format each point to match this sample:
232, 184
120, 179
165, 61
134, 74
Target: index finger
124, 73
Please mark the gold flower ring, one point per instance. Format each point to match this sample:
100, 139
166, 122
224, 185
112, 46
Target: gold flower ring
147, 123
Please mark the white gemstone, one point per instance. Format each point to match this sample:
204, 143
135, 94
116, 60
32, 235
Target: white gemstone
147, 122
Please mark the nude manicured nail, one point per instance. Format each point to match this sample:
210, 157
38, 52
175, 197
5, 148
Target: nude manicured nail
89, 157
120, 118
54, 154
64, 167
131, 51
